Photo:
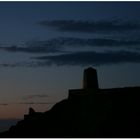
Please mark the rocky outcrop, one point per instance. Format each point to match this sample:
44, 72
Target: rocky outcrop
86, 113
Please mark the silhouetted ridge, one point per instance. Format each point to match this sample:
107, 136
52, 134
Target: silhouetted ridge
87, 112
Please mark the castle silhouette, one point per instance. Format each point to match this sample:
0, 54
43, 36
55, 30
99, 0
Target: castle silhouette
89, 112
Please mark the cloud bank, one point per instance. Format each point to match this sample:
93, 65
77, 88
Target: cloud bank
3, 104
33, 47
92, 58
60, 44
63, 51
91, 26
35, 96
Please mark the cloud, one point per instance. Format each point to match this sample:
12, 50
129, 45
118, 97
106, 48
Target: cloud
60, 44
91, 58
9, 65
33, 64
3, 104
21, 64
63, 42
91, 26
78, 58
33, 47
35, 96
83, 58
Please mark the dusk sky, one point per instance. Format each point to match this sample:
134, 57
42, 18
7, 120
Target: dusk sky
45, 46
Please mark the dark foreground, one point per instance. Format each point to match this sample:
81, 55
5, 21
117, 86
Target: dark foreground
107, 113
87, 113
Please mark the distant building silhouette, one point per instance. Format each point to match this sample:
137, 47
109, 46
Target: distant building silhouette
90, 83
32, 114
90, 80
31, 111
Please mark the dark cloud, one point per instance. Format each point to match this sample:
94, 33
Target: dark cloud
33, 64
91, 26
9, 65
35, 96
33, 47
59, 44
20, 64
63, 42
79, 58
92, 58
3, 104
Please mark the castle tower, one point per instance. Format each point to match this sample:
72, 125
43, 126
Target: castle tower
90, 80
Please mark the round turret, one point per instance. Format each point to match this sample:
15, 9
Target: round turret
90, 80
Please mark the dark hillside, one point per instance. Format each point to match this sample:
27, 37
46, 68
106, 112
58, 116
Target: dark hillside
88, 112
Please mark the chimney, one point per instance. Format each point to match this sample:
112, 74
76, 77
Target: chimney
90, 80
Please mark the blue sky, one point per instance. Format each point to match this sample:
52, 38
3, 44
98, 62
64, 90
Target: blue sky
44, 47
